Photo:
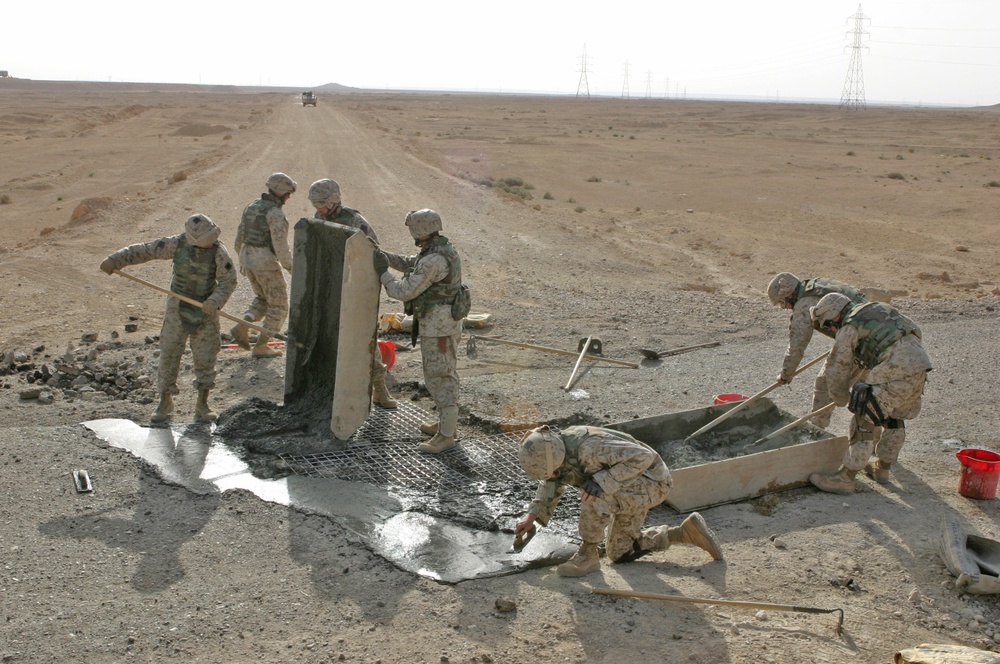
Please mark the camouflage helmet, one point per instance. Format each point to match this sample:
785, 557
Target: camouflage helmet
829, 309
201, 231
281, 184
782, 288
542, 451
325, 191
423, 223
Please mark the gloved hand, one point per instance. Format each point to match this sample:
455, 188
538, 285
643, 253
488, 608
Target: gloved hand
782, 380
592, 488
210, 307
380, 261
108, 266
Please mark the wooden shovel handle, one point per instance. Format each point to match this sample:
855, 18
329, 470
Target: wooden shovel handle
196, 303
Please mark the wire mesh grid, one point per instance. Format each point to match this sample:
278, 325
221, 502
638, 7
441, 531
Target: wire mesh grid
383, 452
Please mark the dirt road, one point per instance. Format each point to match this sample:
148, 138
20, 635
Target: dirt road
648, 225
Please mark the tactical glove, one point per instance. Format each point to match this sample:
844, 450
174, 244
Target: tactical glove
108, 266
591, 486
210, 307
380, 261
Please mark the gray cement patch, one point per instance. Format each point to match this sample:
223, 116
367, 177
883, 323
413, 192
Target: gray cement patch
393, 522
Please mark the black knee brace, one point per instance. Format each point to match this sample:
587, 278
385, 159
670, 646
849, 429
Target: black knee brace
863, 404
893, 423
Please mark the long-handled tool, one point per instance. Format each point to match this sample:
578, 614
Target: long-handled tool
788, 427
470, 350
196, 303
723, 602
659, 355
743, 404
585, 347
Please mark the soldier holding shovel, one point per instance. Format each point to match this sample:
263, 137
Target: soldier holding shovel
204, 272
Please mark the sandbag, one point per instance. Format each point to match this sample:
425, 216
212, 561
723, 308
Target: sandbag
933, 653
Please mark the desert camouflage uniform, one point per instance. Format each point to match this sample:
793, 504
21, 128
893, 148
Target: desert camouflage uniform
346, 216
262, 245
632, 475
439, 332
800, 331
182, 321
897, 376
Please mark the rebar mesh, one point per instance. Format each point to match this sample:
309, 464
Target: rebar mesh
383, 452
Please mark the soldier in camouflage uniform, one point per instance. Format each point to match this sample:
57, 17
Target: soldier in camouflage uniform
789, 292
431, 284
620, 480
325, 197
262, 245
873, 339
203, 271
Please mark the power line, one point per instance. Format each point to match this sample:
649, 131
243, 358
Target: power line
853, 95
583, 86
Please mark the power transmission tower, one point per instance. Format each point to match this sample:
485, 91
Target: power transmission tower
666, 89
625, 92
583, 87
649, 84
853, 95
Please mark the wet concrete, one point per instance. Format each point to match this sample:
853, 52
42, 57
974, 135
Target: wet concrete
419, 533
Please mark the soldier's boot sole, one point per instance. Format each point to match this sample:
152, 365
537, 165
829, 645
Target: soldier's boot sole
697, 532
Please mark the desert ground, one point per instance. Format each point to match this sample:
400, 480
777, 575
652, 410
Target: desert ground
645, 223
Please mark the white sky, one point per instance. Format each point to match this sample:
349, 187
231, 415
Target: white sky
918, 51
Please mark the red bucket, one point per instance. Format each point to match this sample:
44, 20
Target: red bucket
387, 350
980, 472
728, 398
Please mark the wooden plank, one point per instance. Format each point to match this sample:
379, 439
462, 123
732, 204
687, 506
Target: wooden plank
357, 339
753, 475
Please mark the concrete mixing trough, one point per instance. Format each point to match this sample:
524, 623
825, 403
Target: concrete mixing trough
714, 468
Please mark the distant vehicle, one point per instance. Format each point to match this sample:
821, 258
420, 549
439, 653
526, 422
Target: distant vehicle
309, 98
4, 74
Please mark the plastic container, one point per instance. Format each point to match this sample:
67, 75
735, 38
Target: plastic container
980, 472
728, 398
387, 350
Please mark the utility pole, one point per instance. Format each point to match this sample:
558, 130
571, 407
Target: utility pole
583, 87
649, 84
666, 89
853, 95
625, 92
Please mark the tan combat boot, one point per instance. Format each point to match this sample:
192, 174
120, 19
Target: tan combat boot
261, 349
585, 561
841, 482
202, 411
241, 335
878, 470
430, 428
164, 409
436, 444
694, 531
381, 395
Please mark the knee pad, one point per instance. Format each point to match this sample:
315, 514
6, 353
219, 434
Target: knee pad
864, 404
893, 423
